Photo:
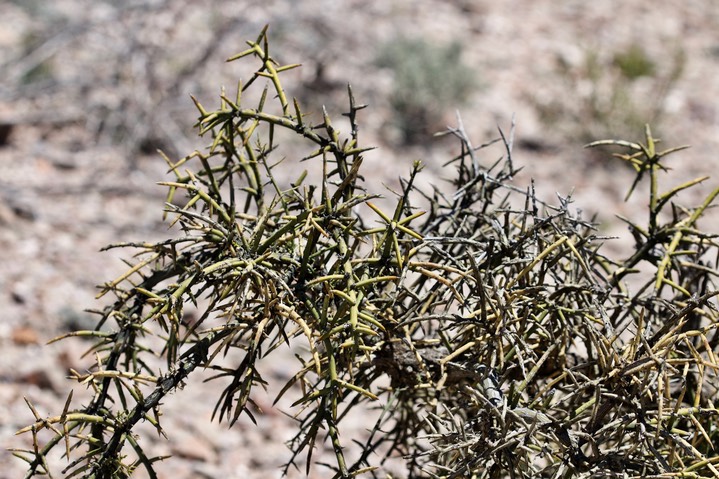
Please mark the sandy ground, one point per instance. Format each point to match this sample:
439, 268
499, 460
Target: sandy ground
88, 91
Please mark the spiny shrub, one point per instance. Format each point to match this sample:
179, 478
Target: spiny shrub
488, 330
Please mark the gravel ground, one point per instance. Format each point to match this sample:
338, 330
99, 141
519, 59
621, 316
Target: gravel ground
88, 90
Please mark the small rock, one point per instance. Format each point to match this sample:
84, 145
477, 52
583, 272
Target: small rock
39, 378
5, 130
192, 447
24, 336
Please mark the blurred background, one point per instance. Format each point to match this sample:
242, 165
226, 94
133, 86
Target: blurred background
90, 90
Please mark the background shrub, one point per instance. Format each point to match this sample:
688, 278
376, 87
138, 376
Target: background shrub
616, 93
428, 80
